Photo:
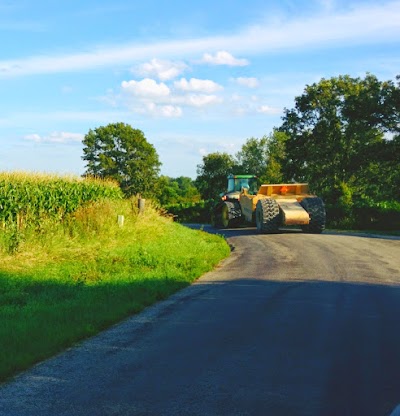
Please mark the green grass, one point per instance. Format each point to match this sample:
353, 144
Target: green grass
70, 280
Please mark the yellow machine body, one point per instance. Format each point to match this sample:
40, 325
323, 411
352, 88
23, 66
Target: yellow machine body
288, 197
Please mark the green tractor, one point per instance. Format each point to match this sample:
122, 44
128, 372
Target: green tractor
268, 207
227, 211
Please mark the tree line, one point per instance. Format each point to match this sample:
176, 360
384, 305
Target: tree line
342, 137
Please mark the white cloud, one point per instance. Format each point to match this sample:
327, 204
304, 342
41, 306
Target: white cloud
168, 111
198, 85
162, 69
171, 111
249, 82
236, 97
265, 109
56, 137
145, 88
364, 24
33, 138
223, 58
149, 97
199, 100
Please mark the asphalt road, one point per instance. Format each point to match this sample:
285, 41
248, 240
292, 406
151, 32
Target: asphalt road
290, 324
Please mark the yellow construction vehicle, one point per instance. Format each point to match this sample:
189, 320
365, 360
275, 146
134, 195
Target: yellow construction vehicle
272, 206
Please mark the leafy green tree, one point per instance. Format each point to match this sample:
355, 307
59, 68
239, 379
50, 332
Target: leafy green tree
340, 132
122, 153
252, 158
187, 189
212, 173
263, 157
274, 172
167, 190
380, 179
177, 190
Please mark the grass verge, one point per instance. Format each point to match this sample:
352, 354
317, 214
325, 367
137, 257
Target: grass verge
69, 281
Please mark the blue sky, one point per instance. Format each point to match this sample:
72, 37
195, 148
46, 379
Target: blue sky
195, 77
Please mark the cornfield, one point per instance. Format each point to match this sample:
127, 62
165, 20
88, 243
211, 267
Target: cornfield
26, 197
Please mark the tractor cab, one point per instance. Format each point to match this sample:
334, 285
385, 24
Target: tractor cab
236, 183
227, 212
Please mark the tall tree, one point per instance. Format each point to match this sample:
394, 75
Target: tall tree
120, 152
339, 128
212, 173
252, 158
276, 156
176, 190
263, 157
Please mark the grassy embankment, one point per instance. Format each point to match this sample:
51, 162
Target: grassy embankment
66, 278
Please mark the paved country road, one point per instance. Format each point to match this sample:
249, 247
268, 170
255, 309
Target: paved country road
290, 324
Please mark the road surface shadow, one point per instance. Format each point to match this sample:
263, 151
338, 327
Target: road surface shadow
242, 231
239, 347
236, 232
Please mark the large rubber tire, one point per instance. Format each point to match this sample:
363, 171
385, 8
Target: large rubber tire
316, 210
236, 214
231, 214
226, 215
268, 217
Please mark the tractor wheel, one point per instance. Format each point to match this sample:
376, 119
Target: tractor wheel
227, 214
267, 216
235, 214
231, 215
316, 210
